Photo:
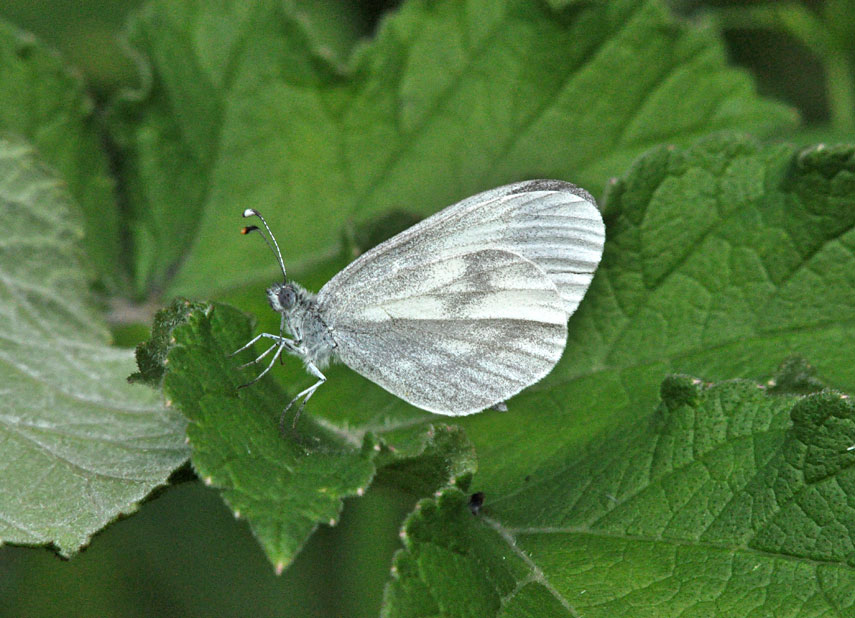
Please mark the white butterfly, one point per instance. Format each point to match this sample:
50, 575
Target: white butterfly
457, 313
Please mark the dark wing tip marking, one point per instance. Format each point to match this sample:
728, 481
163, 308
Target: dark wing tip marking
543, 184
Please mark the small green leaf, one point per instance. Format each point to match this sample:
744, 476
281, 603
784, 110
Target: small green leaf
449, 98
80, 446
45, 102
716, 505
450, 566
285, 485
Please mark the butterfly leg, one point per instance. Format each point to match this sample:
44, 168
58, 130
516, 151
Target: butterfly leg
304, 395
276, 338
280, 344
257, 358
249, 343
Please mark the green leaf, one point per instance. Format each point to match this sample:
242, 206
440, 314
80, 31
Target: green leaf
726, 502
283, 485
80, 446
44, 102
451, 97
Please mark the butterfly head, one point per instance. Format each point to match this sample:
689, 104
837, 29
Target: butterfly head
282, 297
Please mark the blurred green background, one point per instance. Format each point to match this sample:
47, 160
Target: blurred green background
86, 33
184, 554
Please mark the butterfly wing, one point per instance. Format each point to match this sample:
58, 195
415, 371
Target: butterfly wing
469, 306
553, 223
456, 334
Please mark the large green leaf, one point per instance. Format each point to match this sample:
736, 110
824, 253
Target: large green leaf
449, 98
44, 101
79, 445
726, 502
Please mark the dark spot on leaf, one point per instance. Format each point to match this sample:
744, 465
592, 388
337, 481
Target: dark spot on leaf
476, 501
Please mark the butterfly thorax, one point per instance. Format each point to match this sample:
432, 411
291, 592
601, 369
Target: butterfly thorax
303, 321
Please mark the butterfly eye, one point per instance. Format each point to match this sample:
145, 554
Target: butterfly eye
287, 297
282, 297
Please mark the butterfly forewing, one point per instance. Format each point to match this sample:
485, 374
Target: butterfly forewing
456, 333
552, 223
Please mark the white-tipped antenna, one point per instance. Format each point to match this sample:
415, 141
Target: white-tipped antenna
252, 212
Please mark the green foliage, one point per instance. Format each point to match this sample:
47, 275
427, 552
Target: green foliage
616, 486
284, 485
79, 445
725, 502
44, 103
827, 30
448, 98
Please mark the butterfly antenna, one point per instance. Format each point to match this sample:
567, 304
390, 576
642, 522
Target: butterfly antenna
274, 246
